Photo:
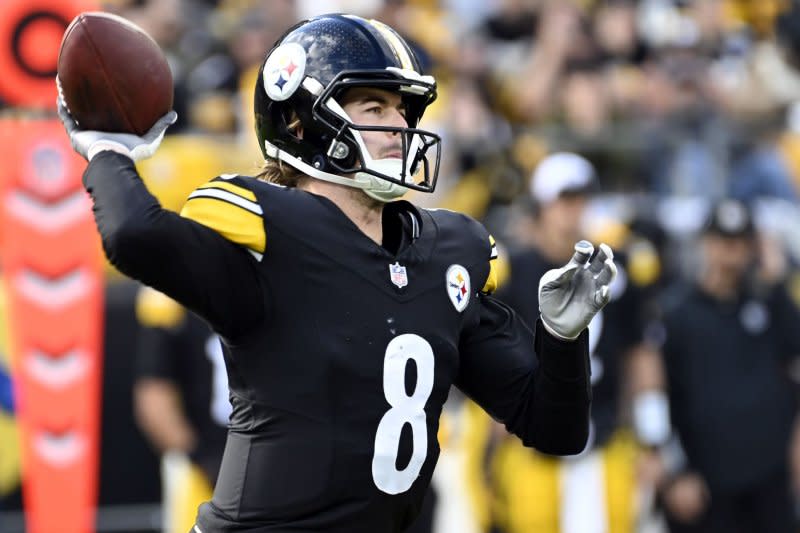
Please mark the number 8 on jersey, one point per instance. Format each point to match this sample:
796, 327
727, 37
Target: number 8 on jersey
405, 410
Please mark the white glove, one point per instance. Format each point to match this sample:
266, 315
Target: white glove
570, 296
89, 143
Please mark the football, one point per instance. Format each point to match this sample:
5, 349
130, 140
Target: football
114, 77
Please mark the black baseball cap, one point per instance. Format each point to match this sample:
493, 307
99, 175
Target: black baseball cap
730, 218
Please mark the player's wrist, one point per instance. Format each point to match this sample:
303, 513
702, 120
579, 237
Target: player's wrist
567, 359
107, 145
552, 331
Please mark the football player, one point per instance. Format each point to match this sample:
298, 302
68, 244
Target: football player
345, 313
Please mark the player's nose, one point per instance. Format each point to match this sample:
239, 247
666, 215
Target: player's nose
396, 119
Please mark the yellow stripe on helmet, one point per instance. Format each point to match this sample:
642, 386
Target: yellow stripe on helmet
395, 42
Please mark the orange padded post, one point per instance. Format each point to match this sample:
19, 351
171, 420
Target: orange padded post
53, 274
53, 271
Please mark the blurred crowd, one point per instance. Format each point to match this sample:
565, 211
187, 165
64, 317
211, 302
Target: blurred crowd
687, 100
673, 105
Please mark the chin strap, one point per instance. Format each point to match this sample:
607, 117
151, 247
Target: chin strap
375, 187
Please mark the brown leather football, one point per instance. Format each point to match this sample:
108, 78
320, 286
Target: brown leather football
113, 75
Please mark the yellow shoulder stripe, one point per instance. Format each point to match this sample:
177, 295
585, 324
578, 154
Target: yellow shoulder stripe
232, 221
492, 281
247, 194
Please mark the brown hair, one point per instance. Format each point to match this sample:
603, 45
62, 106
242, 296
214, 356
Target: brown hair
276, 171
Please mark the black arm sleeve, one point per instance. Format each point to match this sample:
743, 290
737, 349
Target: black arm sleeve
191, 263
537, 385
156, 354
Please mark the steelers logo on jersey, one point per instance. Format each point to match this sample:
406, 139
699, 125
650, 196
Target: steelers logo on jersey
458, 287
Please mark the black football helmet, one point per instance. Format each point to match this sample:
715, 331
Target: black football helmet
305, 74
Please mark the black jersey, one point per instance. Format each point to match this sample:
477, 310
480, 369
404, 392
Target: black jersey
614, 330
340, 352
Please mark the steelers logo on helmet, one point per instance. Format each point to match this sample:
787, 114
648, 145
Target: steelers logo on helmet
284, 71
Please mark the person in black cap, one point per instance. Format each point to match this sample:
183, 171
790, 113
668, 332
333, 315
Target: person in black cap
730, 219
729, 339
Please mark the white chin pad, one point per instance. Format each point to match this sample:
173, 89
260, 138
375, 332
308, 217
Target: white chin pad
380, 188
390, 167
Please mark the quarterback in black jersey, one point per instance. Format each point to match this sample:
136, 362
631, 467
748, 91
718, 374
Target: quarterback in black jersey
345, 313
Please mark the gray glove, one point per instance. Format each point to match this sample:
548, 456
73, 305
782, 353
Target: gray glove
88, 143
570, 296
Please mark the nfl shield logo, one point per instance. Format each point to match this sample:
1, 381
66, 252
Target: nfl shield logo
398, 275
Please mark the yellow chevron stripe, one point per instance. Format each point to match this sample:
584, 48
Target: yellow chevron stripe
394, 41
232, 222
230, 187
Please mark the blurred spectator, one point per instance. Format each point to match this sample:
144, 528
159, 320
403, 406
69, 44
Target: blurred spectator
758, 170
730, 336
250, 33
788, 40
528, 83
166, 22
585, 101
787, 26
686, 136
181, 403
615, 32
596, 491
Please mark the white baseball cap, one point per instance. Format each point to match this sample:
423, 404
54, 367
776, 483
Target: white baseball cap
559, 173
